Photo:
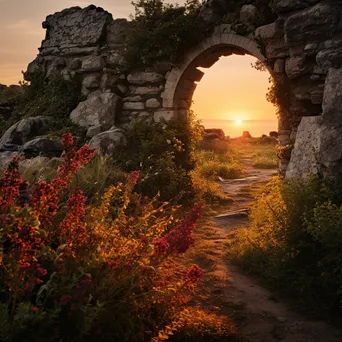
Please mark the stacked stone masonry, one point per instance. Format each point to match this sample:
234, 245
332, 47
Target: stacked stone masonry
300, 41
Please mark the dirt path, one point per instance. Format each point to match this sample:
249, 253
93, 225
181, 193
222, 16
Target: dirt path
226, 290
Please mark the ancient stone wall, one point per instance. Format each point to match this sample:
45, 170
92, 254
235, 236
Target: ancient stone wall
300, 41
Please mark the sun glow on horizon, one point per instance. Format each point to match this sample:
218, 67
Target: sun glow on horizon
238, 122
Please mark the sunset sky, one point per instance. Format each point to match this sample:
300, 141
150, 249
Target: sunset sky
229, 90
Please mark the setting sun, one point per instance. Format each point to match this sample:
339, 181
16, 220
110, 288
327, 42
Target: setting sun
238, 122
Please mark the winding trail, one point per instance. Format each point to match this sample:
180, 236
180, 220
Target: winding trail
226, 290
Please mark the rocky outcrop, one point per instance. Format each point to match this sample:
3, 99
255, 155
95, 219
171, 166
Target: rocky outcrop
97, 111
109, 141
85, 28
213, 133
5, 158
23, 131
305, 155
42, 147
331, 137
292, 5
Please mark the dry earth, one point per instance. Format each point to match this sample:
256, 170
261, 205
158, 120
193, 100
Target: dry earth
259, 315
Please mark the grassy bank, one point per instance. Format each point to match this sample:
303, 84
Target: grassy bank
294, 243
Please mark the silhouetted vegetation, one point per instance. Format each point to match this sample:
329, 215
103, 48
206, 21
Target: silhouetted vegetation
163, 32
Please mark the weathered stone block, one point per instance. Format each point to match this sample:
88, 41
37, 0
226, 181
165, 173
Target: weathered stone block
76, 63
311, 25
109, 141
94, 130
279, 66
114, 59
296, 66
93, 63
23, 131
331, 134
133, 106
164, 115
152, 104
76, 26
266, 32
145, 90
147, 77
91, 81
304, 158
250, 15
291, 5
108, 81
42, 147
96, 110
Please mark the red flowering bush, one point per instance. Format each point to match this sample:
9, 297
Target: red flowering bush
71, 271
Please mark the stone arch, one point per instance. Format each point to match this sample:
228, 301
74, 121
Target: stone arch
181, 80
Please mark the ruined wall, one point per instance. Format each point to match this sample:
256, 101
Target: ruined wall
301, 43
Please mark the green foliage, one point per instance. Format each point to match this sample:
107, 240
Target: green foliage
97, 176
262, 155
72, 270
279, 93
212, 169
51, 96
8, 95
294, 241
164, 153
214, 158
163, 32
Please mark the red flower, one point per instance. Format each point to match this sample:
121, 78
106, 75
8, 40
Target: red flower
133, 177
181, 238
194, 273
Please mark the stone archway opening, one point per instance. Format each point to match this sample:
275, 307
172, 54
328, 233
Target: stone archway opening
232, 96
181, 81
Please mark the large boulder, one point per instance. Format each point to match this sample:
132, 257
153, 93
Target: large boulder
213, 10
291, 5
312, 25
5, 158
107, 142
304, 158
250, 16
331, 136
42, 147
246, 135
98, 109
213, 133
23, 131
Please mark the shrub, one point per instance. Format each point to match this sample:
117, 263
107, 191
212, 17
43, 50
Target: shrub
207, 190
194, 324
162, 32
212, 169
52, 96
217, 159
294, 241
100, 272
164, 153
265, 162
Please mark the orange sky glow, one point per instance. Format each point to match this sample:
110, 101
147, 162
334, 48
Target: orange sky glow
230, 90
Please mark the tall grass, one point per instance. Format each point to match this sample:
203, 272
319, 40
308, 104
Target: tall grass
263, 156
294, 242
214, 159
